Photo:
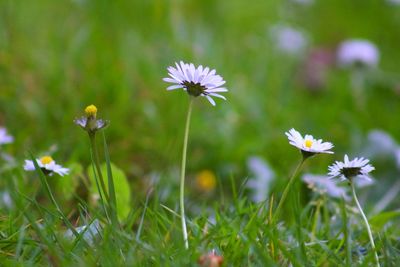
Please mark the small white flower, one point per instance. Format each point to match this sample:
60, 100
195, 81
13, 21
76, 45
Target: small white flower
381, 143
304, 2
6, 200
351, 168
322, 184
48, 165
358, 51
308, 145
393, 2
288, 39
5, 138
196, 81
90, 232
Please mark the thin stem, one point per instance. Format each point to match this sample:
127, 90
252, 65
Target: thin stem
316, 217
287, 188
53, 200
182, 178
371, 239
97, 164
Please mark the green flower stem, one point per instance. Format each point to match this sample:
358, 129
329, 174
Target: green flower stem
43, 180
371, 239
182, 178
97, 164
53, 200
287, 189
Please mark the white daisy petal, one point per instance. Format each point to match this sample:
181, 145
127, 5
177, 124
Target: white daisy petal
348, 169
210, 100
217, 95
173, 87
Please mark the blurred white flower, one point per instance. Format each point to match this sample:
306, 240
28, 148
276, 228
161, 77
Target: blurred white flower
381, 142
304, 2
397, 156
323, 184
360, 183
5, 138
308, 145
260, 182
48, 165
5, 200
393, 2
91, 232
288, 40
357, 52
348, 169
196, 81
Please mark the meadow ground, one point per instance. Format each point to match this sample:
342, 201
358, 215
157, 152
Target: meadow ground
281, 64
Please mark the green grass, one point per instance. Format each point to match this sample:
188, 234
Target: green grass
57, 57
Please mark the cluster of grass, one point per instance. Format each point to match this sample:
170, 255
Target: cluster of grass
56, 57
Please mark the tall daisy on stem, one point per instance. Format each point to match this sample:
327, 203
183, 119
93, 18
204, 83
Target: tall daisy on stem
308, 146
91, 124
348, 170
196, 82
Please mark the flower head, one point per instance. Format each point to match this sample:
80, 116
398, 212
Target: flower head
262, 176
89, 122
206, 181
5, 138
351, 168
48, 166
323, 185
288, 40
91, 111
358, 52
196, 81
308, 145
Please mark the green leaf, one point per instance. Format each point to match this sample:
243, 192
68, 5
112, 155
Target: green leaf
379, 220
122, 191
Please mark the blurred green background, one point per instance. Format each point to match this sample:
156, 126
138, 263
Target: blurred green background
56, 57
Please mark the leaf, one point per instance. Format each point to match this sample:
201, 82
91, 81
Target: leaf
379, 220
122, 190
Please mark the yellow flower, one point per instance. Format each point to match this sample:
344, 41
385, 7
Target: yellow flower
206, 181
91, 111
89, 122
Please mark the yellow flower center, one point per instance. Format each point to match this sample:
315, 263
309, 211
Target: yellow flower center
46, 160
308, 143
206, 181
91, 110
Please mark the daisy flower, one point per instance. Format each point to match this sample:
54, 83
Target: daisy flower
262, 176
48, 166
322, 185
289, 40
196, 81
5, 138
358, 51
308, 145
351, 168
89, 122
